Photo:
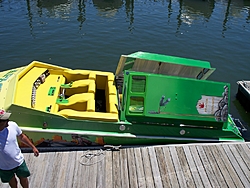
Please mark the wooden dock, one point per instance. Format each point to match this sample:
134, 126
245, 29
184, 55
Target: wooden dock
191, 165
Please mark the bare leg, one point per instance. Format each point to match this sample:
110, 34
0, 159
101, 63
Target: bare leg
24, 182
13, 182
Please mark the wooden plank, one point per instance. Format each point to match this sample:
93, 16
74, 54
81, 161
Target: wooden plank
241, 162
91, 169
209, 171
177, 166
185, 167
44, 162
116, 170
219, 158
100, 180
170, 167
214, 165
235, 165
31, 164
124, 168
199, 166
192, 167
229, 166
108, 169
132, 168
139, 168
246, 148
62, 173
244, 152
79, 171
48, 170
71, 164
155, 167
162, 167
57, 163
147, 168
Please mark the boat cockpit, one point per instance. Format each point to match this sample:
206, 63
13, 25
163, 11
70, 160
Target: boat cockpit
74, 94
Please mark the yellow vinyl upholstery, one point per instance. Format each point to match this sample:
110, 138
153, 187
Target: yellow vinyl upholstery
92, 116
111, 98
73, 75
80, 86
82, 105
80, 102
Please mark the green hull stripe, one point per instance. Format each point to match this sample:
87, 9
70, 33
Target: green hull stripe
122, 135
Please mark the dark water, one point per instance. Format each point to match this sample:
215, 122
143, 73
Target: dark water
92, 34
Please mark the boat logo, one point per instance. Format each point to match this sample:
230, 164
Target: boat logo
162, 105
214, 105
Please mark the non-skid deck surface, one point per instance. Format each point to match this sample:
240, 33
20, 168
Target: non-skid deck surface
194, 165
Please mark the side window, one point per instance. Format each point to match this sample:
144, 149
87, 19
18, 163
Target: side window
136, 105
202, 73
138, 84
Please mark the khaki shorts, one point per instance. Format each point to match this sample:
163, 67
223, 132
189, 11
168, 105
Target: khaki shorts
20, 171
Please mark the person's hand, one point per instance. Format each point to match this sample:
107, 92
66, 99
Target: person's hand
36, 152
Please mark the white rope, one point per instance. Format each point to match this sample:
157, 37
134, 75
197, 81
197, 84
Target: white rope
86, 159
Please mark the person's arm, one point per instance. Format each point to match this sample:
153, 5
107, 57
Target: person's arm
23, 138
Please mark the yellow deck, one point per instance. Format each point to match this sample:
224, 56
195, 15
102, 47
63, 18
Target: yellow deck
80, 93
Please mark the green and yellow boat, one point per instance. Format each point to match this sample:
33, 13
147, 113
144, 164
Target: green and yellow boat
151, 99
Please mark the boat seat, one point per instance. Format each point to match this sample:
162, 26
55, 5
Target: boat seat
110, 88
111, 98
79, 86
112, 104
73, 75
92, 116
79, 102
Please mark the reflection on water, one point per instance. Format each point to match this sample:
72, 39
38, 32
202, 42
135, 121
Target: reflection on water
235, 8
55, 8
129, 7
51, 4
81, 13
107, 8
192, 9
189, 10
51, 9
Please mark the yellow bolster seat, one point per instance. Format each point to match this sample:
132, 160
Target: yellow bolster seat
80, 102
109, 75
110, 88
81, 86
73, 75
92, 116
112, 104
111, 98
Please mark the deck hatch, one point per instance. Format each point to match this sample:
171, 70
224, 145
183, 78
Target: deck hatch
165, 65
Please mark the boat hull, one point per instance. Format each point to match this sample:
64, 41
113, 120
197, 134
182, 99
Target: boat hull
60, 137
46, 130
243, 94
152, 99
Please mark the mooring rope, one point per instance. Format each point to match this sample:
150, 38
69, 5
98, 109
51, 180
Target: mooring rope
88, 156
